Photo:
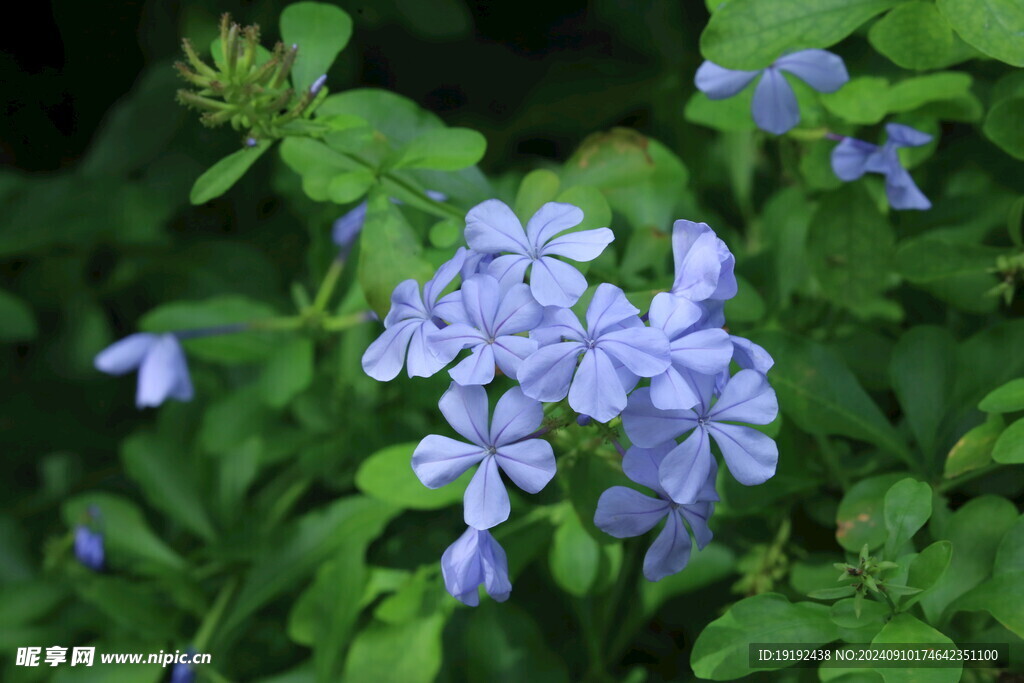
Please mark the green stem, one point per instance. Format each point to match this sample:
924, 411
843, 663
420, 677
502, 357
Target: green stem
294, 322
949, 484
330, 281
343, 322
212, 618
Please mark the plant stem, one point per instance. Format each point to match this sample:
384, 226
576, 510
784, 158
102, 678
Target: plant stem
330, 281
206, 629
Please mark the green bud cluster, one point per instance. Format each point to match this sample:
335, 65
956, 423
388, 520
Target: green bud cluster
248, 87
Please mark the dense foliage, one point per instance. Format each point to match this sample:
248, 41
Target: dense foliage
290, 289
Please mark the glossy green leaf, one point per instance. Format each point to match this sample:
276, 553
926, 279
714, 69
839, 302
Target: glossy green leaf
1005, 399
720, 652
927, 569
923, 369
1002, 126
409, 652
860, 518
751, 34
908, 505
730, 114
1001, 596
288, 372
863, 100
319, 165
219, 178
349, 186
574, 557
844, 614
993, 26
387, 475
953, 271
915, 35
974, 449
1009, 447
536, 189
445, 149
905, 628
321, 31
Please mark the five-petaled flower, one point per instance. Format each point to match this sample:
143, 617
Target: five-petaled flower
774, 106
492, 228
505, 445
623, 512
617, 350
494, 319
163, 370
750, 455
412, 317
475, 559
853, 158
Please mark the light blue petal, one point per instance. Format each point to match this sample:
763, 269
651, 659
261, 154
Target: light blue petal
641, 465
903, 193
347, 228
698, 264
608, 308
529, 464
644, 351
596, 390
495, 567
905, 136
670, 551
820, 69
384, 358
492, 227
555, 283
850, 158
449, 340
705, 351
556, 325
719, 83
751, 356
515, 417
685, 469
443, 277
481, 297
475, 369
547, 374
671, 391
465, 408
623, 513
486, 502
162, 373
438, 460
509, 269
585, 245
750, 455
746, 398
462, 568
775, 107
549, 220
649, 426
673, 315
422, 360
510, 352
125, 355
517, 311
406, 304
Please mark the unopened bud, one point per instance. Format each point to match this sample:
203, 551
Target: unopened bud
317, 84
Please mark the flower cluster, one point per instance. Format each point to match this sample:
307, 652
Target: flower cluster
513, 313
775, 109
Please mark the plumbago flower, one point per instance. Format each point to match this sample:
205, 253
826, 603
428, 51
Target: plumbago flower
494, 318
492, 228
684, 351
413, 316
163, 370
852, 158
614, 336
505, 445
750, 455
623, 512
473, 560
774, 106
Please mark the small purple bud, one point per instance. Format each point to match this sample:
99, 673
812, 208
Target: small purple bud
835, 136
89, 547
251, 142
582, 420
317, 84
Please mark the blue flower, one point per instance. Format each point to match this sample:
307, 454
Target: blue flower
413, 316
530, 463
346, 229
623, 512
750, 455
704, 266
693, 351
853, 158
774, 106
617, 349
183, 673
89, 547
494, 318
474, 559
163, 370
492, 228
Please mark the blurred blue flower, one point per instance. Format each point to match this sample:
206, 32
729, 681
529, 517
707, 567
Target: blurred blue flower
623, 512
495, 315
853, 158
693, 351
474, 559
750, 455
346, 228
183, 673
492, 228
89, 547
704, 266
413, 316
774, 107
617, 349
163, 370
528, 462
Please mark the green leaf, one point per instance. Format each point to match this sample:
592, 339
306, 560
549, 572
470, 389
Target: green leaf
1005, 399
975, 531
904, 628
387, 475
409, 652
832, 593
233, 418
503, 643
445, 149
1009, 447
720, 652
974, 449
850, 246
399, 119
321, 31
927, 569
126, 533
912, 93
219, 178
389, 253
923, 369
751, 34
863, 100
908, 505
1010, 553
1001, 596
168, 485
303, 546
350, 186
288, 372
820, 394
586, 478
1002, 126
747, 306
596, 212
17, 322
860, 519
536, 189
712, 564
993, 26
952, 271
844, 614
241, 347
318, 165
574, 556
915, 35
730, 114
